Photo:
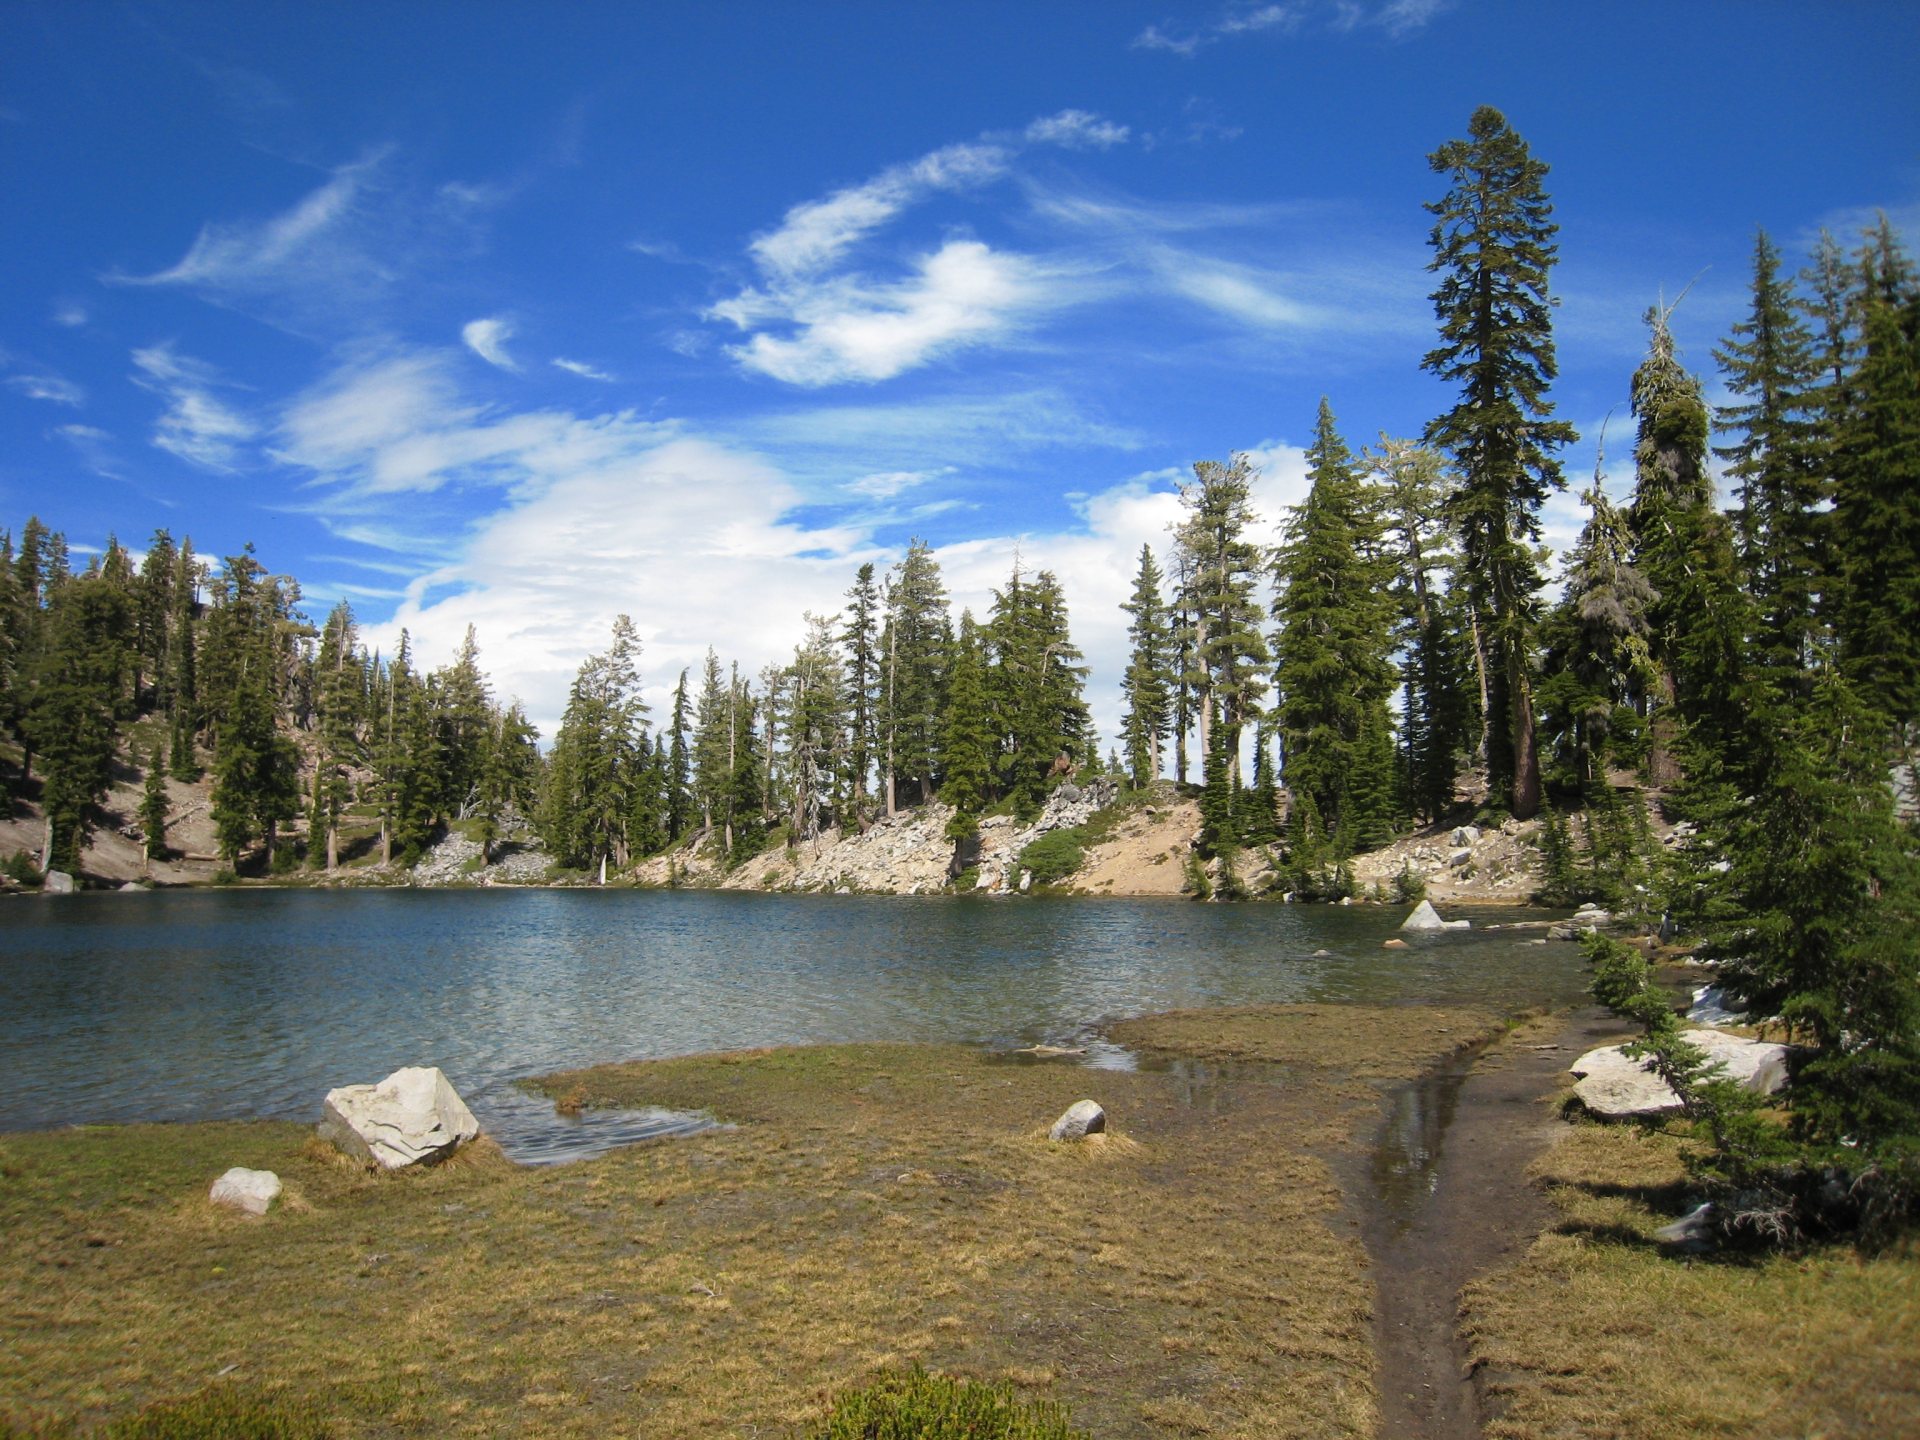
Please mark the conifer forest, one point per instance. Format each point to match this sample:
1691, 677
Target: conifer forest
1736, 641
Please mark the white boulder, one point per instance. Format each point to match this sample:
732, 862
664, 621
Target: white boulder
1424, 917
57, 882
1465, 835
413, 1117
1082, 1118
253, 1191
1615, 1086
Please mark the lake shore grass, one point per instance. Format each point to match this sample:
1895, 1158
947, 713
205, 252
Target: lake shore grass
1193, 1272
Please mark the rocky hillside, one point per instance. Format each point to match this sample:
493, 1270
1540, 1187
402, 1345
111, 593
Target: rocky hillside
906, 854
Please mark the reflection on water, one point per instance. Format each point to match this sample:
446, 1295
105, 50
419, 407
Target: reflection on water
201, 1004
1406, 1161
532, 1132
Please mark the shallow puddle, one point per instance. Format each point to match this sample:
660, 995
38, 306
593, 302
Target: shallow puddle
532, 1132
1406, 1156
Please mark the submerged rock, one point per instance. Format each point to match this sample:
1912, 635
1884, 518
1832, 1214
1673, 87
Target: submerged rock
1082, 1118
413, 1117
253, 1191
1616, 1086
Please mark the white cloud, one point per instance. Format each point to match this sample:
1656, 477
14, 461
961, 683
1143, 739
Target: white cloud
1239, 292
488, 339
1398, 18
582, 369
1154, 38
398, 425
250, 256
813, 321
196, 425
817, 233
48, 387
69, 315
889, 483
856, 330
1077, 130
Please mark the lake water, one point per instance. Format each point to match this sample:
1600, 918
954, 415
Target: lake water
193, 1005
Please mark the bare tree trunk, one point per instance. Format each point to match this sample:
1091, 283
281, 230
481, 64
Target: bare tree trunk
333, 846
1526, 754
1480, 670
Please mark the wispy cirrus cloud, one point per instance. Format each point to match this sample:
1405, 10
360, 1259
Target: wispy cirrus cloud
814, 320
47, 386
488, 338
251, 256
1396, 18
583, 370
196, 425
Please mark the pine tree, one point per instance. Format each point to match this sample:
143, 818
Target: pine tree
861, 639
1597, 658
1147, 684
679, 765
913, 653
1767, 362
1036, 687
1493, 243
153, 613
1221, 570
1672, 512
340, 706
79, 672
154, 807
1412, 487
182, 678
1876, 493
967, 749
713, 745
589, 788
1335, 615
815, 729
256, 778
509, 778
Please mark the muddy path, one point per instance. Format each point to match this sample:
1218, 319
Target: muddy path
1442, 1196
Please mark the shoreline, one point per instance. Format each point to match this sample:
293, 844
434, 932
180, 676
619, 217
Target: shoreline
1214, 1261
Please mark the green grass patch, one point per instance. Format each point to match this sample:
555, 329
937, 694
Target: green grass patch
940, 1407
1055, 855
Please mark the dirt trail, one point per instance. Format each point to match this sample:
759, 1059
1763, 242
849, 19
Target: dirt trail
1444, 1197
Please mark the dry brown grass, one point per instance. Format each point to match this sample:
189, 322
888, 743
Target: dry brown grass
1189, 1273
1598, 1334
1368, 1042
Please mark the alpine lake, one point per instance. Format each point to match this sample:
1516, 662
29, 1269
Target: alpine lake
243, 1004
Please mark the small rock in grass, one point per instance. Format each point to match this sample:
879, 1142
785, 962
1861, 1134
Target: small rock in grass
1692, 1233
253, 1191
1083, 1118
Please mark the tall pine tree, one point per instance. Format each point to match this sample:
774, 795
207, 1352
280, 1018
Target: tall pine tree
1493, 243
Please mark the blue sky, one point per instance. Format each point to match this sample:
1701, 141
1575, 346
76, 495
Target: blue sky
522, 316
